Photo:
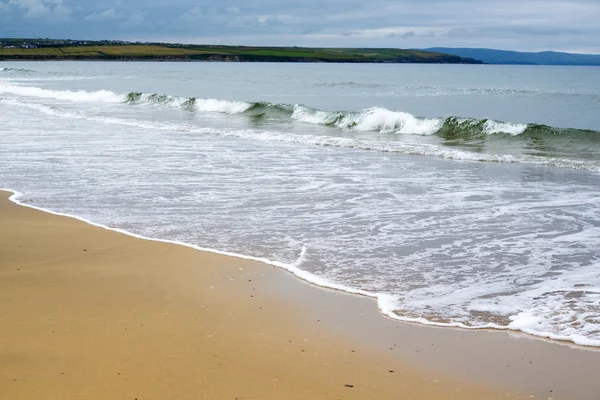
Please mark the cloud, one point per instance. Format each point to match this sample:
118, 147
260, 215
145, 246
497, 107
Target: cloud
194, 14
135, 21
509, 24
405, 35
42, 9
458, 32
110, 14
5, 11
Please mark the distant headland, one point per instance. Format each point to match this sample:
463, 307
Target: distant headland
491, 56
106, 50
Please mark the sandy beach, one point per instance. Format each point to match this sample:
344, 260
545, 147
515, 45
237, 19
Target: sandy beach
87, 313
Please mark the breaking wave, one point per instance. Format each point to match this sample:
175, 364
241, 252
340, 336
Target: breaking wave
69, 95
477, 135
374, 119
384, 146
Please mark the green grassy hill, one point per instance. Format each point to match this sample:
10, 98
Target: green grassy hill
165, 52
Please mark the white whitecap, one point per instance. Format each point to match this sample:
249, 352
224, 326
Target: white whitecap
384, 120
221, 106
104, 96
492, 127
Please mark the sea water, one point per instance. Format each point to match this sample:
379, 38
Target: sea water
455, 195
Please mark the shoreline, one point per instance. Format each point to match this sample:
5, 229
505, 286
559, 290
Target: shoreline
91, 314
106, 279
318, 282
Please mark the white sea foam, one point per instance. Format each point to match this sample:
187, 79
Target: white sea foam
293, 267
372, 119
311, 116
163, 100
532, 321
222, 106
197, 104
383, 120
99, 118
388, 121
492, 127
104, 96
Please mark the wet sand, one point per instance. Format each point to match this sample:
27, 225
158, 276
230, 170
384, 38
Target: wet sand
87, 313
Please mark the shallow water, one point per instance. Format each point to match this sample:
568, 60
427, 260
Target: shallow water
374, 170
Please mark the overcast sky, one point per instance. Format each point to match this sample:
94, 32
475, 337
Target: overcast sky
561, 25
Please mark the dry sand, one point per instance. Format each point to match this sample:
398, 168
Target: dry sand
87, 313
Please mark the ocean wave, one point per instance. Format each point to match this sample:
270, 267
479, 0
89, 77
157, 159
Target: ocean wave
189, 103
375, 119
105, 96
383, 146
405, 148
492, 127
371, 119
532, 139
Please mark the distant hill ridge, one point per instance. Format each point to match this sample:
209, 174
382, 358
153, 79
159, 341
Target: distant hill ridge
491, 56
50, 49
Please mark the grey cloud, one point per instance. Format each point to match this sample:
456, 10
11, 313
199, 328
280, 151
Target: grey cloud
232, 10
104, 15
515, 24
135, 21
405, 35
42, 9
458, 32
